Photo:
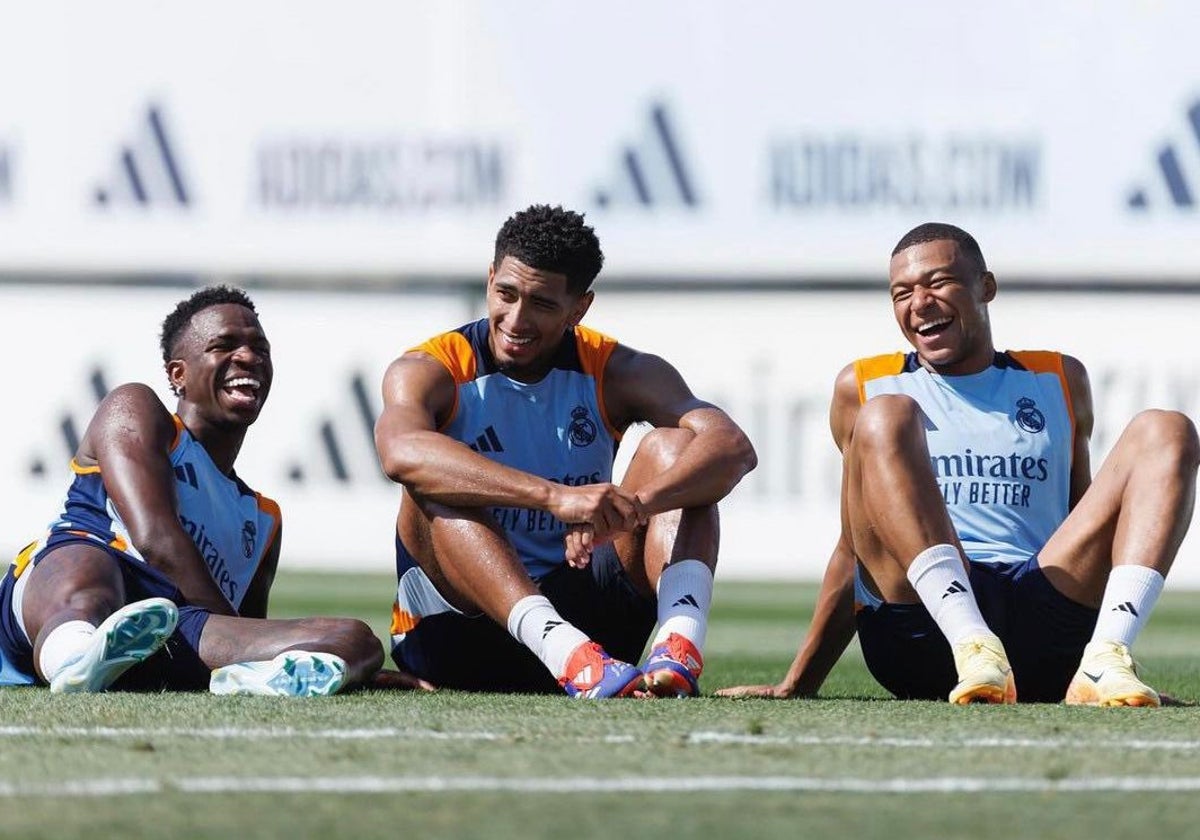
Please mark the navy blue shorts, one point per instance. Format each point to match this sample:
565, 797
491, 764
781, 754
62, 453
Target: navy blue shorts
177, 666
474, 653
1043, 631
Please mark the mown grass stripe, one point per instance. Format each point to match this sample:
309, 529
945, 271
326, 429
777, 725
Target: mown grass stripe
625, 784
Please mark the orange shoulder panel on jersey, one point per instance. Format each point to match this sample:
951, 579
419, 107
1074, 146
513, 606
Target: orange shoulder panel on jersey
271, 508
594, 350
454, 352
873, 367
1048, 361
178, 431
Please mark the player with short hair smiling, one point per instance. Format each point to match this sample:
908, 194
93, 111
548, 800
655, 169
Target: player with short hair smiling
162, 555
503, 434
973, 533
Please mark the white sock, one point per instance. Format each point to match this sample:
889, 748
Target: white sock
62, 645
944, 587
684, 596
1130, 595
535, 623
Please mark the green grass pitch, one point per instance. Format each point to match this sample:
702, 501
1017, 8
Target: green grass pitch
851, 764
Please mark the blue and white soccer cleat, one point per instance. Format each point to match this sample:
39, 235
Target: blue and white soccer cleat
673, 668
293, 673
596, 676
128, 636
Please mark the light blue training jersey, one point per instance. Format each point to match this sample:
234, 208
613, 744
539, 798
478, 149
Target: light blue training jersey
1001, 443
232, 526
556, 428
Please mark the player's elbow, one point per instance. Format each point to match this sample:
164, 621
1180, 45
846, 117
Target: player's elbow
161, 551
738, 453
744, 453
399, 455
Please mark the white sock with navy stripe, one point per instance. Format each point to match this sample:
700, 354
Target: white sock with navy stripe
684, 597
535, 623
1129, 596
942, 583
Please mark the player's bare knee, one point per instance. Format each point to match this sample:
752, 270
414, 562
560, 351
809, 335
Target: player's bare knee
349, 638
363, 645
96, 601
663, 446
1169, 434
886, 420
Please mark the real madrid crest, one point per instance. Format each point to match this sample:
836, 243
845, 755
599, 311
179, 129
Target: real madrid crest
1028, 416
582, 430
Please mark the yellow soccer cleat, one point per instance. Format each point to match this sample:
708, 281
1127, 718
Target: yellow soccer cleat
984, 675
1107, 676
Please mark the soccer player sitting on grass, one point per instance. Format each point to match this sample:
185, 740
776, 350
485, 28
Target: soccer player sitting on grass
503, 433
973, 535
162, 555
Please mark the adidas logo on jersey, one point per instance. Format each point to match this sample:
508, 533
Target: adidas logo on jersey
489, 441
186, 473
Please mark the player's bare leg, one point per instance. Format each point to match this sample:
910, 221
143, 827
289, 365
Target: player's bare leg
903, 537
474, 568
673, 558
1115, 548
288, 657
84, 635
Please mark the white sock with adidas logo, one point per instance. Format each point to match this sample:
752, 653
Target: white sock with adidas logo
1129, 596
63, 645
944, 587
535, 623
684, 596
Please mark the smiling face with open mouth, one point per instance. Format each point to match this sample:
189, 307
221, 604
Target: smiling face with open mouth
529, 311
940, 299
223, 373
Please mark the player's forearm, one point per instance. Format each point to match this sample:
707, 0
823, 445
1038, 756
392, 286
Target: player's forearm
179, 561
830, 631
827, 639
707, 470
437, 469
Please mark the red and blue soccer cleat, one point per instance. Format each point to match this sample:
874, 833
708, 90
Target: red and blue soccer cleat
595, 675
673, 668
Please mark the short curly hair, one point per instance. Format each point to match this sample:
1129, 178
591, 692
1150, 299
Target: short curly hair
935, 231
202, 299
552, 239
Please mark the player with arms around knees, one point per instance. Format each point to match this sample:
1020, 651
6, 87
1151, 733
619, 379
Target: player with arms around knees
157, 570
503, 433
973, 534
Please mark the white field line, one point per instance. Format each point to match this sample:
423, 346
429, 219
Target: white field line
980, 742
383, 733
626, 784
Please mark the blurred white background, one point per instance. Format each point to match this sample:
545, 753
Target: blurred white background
748, 168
